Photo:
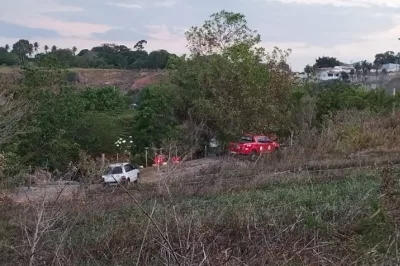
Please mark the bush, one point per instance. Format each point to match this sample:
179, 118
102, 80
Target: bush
72, 76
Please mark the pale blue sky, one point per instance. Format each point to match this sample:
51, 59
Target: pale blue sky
348, 29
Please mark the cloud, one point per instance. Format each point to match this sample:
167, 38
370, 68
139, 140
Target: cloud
364, 49
123, 34
346, 3
141, 5
37, 6
38, 18
15, 31
311, 28
166, 3
159, 37
125, 5
64, 28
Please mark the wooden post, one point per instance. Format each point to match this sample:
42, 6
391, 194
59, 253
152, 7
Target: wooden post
103, 160
394, 104
291, 138
146, 151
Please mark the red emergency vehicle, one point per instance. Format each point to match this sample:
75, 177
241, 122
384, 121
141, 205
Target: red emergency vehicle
254, 145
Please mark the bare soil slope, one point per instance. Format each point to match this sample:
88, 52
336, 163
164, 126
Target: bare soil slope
123, 79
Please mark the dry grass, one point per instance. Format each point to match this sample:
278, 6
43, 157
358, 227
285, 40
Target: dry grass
298, 219
326, 201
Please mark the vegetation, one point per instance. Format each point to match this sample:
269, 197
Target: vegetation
362, 68
104, 56
349, 220
331, 198
62, 121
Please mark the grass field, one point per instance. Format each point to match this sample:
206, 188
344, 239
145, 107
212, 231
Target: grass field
345, 221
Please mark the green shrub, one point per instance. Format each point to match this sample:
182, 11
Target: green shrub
72, 77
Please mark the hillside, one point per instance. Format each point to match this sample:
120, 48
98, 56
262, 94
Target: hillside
123, 79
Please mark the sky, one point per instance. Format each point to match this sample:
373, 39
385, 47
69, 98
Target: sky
350, 30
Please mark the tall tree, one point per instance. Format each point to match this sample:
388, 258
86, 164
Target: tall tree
352, 72
74, 49
157, 59
22, 48
139, 46
46, 48
388, 57
222, 30
326, 61
7, 47
358, 69
53, 48
366, 67
308, 69
227, 81
36, 46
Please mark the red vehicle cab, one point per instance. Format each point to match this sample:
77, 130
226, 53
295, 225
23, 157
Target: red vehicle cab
251, 144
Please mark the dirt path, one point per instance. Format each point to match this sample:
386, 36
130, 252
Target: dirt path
63, 190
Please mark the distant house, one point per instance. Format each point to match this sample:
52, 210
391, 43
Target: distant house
301, 76
390, 67
332, 73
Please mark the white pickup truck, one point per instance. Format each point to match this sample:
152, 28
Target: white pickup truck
120, 172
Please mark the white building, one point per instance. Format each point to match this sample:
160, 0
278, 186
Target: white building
390, 67
331, 73
301, 75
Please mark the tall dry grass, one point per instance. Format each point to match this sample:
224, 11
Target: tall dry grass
333, 199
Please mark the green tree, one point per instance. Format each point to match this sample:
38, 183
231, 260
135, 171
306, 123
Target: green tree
388, 57
53, 48
366, 67
7, 47
22, 48
352, 72
344, 76
68, 121
74, 49
104, 99
64, 56
36, 46
9, 59
308, 69
155, 121
222, 30
139, 46
46, 48
326, 61
358, 69
221, 91
157, 59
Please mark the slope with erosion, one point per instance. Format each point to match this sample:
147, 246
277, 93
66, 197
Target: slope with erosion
125, 80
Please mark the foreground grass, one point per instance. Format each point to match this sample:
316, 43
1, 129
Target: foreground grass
338, 222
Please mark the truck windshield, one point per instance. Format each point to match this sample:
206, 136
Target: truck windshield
107, 170
246, 139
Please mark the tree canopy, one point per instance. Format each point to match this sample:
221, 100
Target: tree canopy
102, 56
226, 86
326, 61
